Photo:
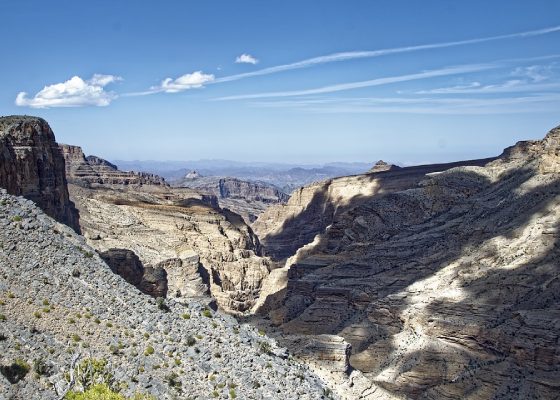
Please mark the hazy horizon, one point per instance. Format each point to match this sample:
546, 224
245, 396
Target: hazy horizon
293, 82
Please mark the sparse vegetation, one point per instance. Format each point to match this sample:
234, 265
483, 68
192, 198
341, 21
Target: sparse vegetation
149, 351
160, 302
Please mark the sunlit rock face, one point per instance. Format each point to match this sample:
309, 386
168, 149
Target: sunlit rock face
446, 289
31, 165
202, 248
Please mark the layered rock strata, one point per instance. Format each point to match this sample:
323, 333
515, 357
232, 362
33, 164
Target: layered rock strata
285, 228
448, 289
93, 170
199, 246
246, 198
31, 165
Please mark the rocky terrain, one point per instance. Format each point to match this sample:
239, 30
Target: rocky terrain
91, 170
200, 247
248, 199
283, 229
32, 165
434, 282
446, 284
67, 322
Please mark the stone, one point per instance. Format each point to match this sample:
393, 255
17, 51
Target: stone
31, 165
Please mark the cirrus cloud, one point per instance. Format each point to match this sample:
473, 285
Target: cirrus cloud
246, 59
75, 92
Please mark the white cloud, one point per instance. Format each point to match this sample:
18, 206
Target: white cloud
75, 92
194, 80
462, 69
246, 59
351, 55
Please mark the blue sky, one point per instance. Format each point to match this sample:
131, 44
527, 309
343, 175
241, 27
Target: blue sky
284, 81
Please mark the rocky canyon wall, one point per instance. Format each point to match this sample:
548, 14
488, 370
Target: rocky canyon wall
32, 165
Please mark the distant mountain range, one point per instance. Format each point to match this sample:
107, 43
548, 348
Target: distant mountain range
285, 176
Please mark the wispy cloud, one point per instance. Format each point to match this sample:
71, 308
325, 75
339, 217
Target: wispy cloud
462, 69
536, 73
533, 78
195, 80
425, 105
74, 92
246, 59
510, 86
351, 55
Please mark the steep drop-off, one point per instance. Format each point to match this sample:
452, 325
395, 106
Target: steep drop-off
447, 289
200, 246
31, 165
248, 199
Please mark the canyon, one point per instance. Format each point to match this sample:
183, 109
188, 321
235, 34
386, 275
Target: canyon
434, 281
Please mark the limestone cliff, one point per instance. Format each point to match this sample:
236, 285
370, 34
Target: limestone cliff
246, 198
285, 228
32, 165
93, 170
447, 289
200, 247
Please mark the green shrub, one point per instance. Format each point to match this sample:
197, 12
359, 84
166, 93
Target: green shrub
37, 314
173, 380
191, 341
2, 317
16, 218
149, 351
160, 302
264, 348
207, 313
232, 394
45, 302
95, 392
186, 316
40, 367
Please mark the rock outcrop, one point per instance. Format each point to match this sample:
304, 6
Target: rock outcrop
31, 165
246, 198
446, 289
150, 280
381, 166
285, 228
64, 314
93, 170
199, 246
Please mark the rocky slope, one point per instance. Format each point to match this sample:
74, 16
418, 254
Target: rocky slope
91, 170
248, 199
446, 289
63, 313
32, 165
